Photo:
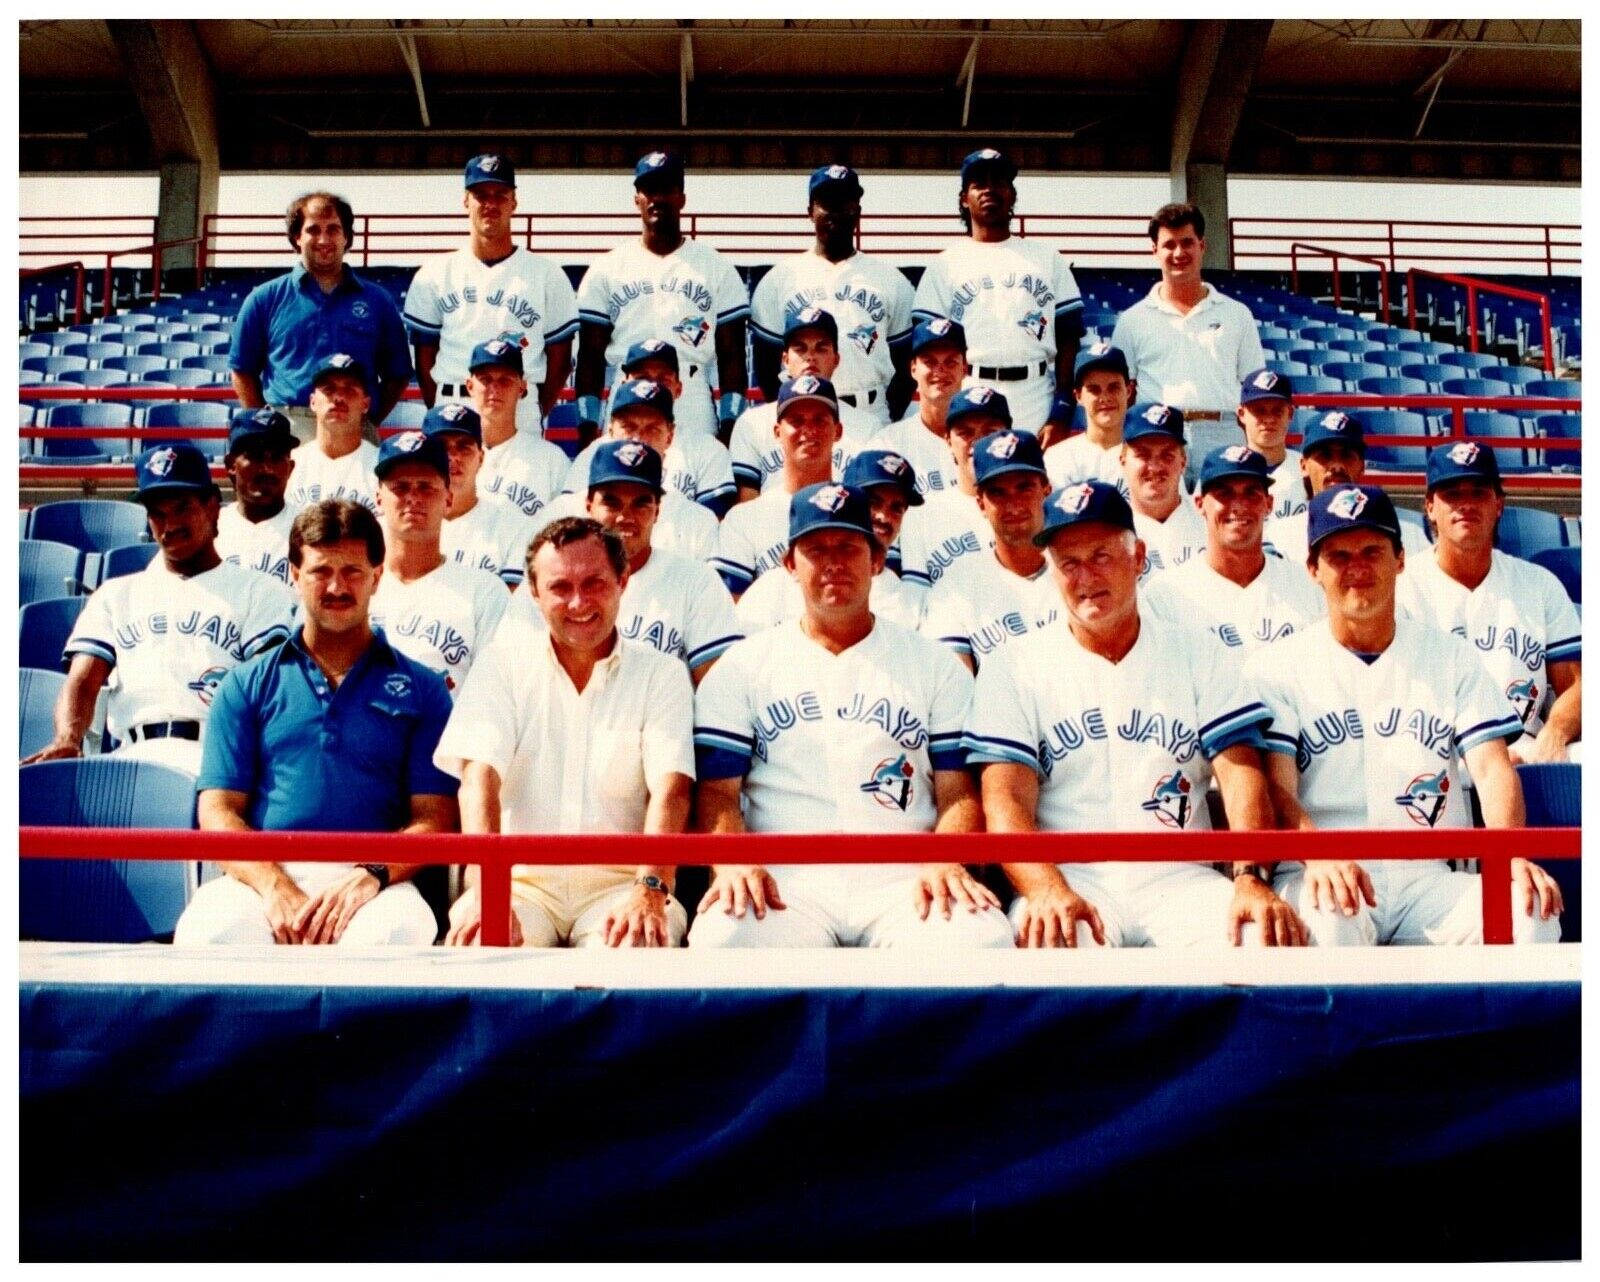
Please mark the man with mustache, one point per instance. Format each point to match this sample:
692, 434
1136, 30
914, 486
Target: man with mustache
253, 530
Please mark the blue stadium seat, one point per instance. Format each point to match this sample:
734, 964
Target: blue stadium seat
27, 351
1355, 348
140, 340
43, 628
1390, 359
104, 901
110, 415
54, 366
1325, 334
1567, 565
217, 362
1524, 531
176, 352
95, 377
62, 339
1289, 369
1469, 360
90, 525
1352, 372
1395, 458
37, 692
1390, 335
1564, 388
188, 414
1423, 349
1517, 376
199, 320
1475, 387
1499, 423
46, 569
1315, 357
138, 320
190, 378
1283, 346
136, 363
1392, 386
24, 414
1430, 374
130, 558
406, 414
1553, 794
1566, 427
1318, 385
210, 342
70, 452
98, 331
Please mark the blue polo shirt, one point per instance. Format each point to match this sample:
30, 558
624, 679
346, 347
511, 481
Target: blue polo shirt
316, 759
287, 327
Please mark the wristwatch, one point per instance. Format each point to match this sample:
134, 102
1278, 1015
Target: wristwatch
653, 883
1257, 871
380, 871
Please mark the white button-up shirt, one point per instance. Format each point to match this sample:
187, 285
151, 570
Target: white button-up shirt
1194, 361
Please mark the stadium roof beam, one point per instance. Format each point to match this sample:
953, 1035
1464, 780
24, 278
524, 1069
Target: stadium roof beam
408, 51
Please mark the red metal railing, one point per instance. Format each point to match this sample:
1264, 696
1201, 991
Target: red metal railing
1336, 255
1535, 247
1474, 287
42, 244
80, 279
155, 251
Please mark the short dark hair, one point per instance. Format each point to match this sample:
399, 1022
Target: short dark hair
575, 529
335, 521
296, 217
1175, 216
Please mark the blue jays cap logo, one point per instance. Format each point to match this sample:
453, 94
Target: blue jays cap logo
939, 326
1347, 504
830, 498
654, 344
805, 385
488, 163
453, 413
1425, 798
890, 785
1266, 380
161, 462
497, 347
510, 339
1169, 803
1336, 422
838, 171
1074, 499
979, 395
645, 388
339, 360
655, 160
1465, 453
397, 684
1099, 348
988, 153
1157, 415
410, 442
893, 464
1003, 445
1238, 453
264, 417
630, 453
810, 316
1524, 696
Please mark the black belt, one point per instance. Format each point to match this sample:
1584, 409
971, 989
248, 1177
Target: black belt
858, 399
452, 389
1011, 373
165, 730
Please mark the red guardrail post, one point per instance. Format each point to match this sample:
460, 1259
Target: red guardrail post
1294, 269
1549, 261
105, 307
1549, 337
1495, 877
1472, 318
1393, 262
494, 890
1336, 298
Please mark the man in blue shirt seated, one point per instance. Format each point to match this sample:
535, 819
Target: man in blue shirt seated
334, 731
287, 325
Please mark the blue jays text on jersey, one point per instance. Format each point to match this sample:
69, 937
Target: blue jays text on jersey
1525, 648
962, 296
696, 294
654, 633
903, 726
525, 497
1265, 632
943, 555
306, 495
1069, 734
520, 310
865, 300
1436, 734
265, 563
213, 627
993, 633
452, 647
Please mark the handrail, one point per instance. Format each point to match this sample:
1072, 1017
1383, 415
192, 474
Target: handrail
1473, 285
155, 251
79, 281
1336, 255
1388, 236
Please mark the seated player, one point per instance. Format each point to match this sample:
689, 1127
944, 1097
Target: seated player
520, 468
482, 536
253, 530
337, 462
1153, 462
1102, 389
1266, 412
938, 369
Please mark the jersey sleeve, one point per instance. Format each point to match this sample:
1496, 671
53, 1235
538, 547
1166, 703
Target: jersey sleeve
724, 738
714, 485
424, 316
594, 289
576, 480
711, 626
668, 741
560, 308
424, 778
732, 298
270, 617
1269, 678
1482, 712
1069, 299
1562, 629
744, 453
735, 559
1000, 723
1230, 712
247, 349
701, 534
230, 748
933, 294
952, 704
94, 632
483, 724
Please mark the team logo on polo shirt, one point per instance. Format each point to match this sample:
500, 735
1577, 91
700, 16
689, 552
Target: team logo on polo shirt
1347, 504
1524, 696
830, 498
360, 310
890, 785
1237, 453
1004, 445
1425, 798
161, 462
397, 684
838, 171
1465, 453
1169, 803
655, 160
409, 442
630, 454
1074, 499
1157, 415
1266, 380
205, 685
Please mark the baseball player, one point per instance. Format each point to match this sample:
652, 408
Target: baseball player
521, 469
890, 488
162, 639
336, 463
665, 286
810, 346
1373, 713
837, 721
869, 298
253, 530
1109, 720
1333, 452
1153, 461
491, 288
485, 536
696, 464
1102, 389
1243, 593
1515, 614
1266, 411
754, 536
985, 601
432, 608
1016, 298
938, 369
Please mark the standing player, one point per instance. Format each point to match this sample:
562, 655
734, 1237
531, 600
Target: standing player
1266, 410
336, 463
1112, 720
837, 722
1102, 388
1515, 614
869, 298
938, 368
492, 537
1373, 713
1016, 298
521, 470
665, 286
1153, 460
171, 632
491, 288
435, 610
253, 530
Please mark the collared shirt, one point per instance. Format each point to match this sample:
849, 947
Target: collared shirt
313, 758
1192, 360
289, 325
257, 545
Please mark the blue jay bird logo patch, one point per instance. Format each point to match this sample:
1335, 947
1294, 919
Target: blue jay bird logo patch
1425, 798
205, 685
865, 337
692, 329
1033, 323
1169, 803
1524, 696
890, 785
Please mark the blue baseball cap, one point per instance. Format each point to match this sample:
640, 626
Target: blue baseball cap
883, 467
1232, 461
808, 387
1100, 355
339, 363
1350, 507
411, 447
659, 168
1335, 426
1003, 452
830, 506
502, 352
454, 417
1462, 460
265, 425
978, 400
646, 392
1265, 385
1080, 504
987, 158
810, 318
652, 349
938, 330
834, 180
489, 168
172, 469
632, 462
1153, 419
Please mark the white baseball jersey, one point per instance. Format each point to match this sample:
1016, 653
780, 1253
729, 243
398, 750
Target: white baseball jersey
1169, 543
927, 451
262, 546
442, 619
1287, 535
490, 537
757, 457
1518, 621
683, 527
1377, 745
869, 298
776, 598
317, 477
170, 640
524, 472
1288, 487
1280, 601
1194, 361
833, 742
753, 539
978, 605
1006, 296
933, 537
696, 465
1078, 459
